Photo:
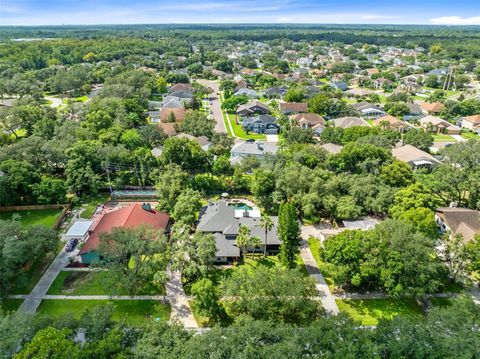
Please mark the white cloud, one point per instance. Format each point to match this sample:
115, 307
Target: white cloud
456, 20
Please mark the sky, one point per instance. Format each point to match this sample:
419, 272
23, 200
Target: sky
69, 12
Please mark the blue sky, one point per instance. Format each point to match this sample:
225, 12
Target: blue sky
55, 12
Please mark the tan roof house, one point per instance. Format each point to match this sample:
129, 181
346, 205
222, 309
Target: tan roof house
308, 120
415, 157
463, 221
433, 107
438, 125
346, 122
293, 107
391, 122
471, 122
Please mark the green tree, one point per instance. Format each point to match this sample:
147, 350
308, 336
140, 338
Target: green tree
266, 223
50, 343
170, 184
197, 124
50, 190
243, 239
187, 205
289, 234
207, 301
418, 138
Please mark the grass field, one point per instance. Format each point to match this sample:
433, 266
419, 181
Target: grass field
90, 283
10, 305
369, 312
135, 312
46, 217
469, 135
443, 138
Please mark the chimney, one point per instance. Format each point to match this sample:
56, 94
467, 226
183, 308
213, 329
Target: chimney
147, 207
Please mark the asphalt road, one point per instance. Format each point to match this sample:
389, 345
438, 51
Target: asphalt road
215, 105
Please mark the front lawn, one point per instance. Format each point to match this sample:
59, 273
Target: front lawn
90, 283
46, 217
33, 274
370, 311
239, 131
134, 312
10, 305
443, 138
470, 135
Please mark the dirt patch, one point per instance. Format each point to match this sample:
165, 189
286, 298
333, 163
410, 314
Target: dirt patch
75, 280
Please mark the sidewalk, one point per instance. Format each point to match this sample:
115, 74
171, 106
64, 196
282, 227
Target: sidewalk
326, 297
180, 308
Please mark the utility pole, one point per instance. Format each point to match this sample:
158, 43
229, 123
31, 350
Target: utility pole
108, 176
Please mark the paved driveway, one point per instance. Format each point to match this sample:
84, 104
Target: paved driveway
33, 300
215, 105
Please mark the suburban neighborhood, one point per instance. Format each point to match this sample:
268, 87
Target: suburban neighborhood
165, 187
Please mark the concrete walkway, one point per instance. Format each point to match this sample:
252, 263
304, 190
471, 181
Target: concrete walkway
180, 308
55, 101
326, 297
459, 138
33, 300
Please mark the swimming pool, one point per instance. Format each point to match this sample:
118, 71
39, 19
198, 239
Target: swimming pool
241, 205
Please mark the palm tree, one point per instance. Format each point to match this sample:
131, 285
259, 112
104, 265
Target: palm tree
267, 224
243, 238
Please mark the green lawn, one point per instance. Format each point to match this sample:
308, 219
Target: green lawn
201, 320
441, 302
239, 132
90, 283
443, 138
46, 217
75, 99
33, 274
91, 203
369, 312
10, 305
469, 135
325, 269
134, 312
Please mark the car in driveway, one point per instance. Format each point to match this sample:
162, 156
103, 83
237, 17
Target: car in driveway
70, 246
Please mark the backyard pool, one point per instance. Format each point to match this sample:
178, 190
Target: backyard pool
241, 205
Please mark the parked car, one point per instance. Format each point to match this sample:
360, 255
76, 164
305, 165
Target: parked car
71, 244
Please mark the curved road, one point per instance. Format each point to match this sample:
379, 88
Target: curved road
215, 106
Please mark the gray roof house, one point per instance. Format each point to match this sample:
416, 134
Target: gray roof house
224, 221
368, 110
253, 107
256, 149
415, 157
247, 92
275, 92
261, 124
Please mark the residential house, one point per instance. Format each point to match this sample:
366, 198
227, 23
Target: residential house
253, 107
438, 125
415, 157
180, 87
368, 110
471, 123
372, 71
224, 220
459, 221
257, 149
246, 92
382, 83
261, 124
431, 108
349, 121
288, 108
202, 141
79, 230
172, 102
172, 113
358, 92
307, 120
275, 92
391, 122
414, 112
340, 85
332, 148
130, 216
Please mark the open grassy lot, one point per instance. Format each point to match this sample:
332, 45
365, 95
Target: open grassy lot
10, 305
369, 312
443, 138
46, 217
135, 312
90, 283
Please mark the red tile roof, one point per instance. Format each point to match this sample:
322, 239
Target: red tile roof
127, 217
